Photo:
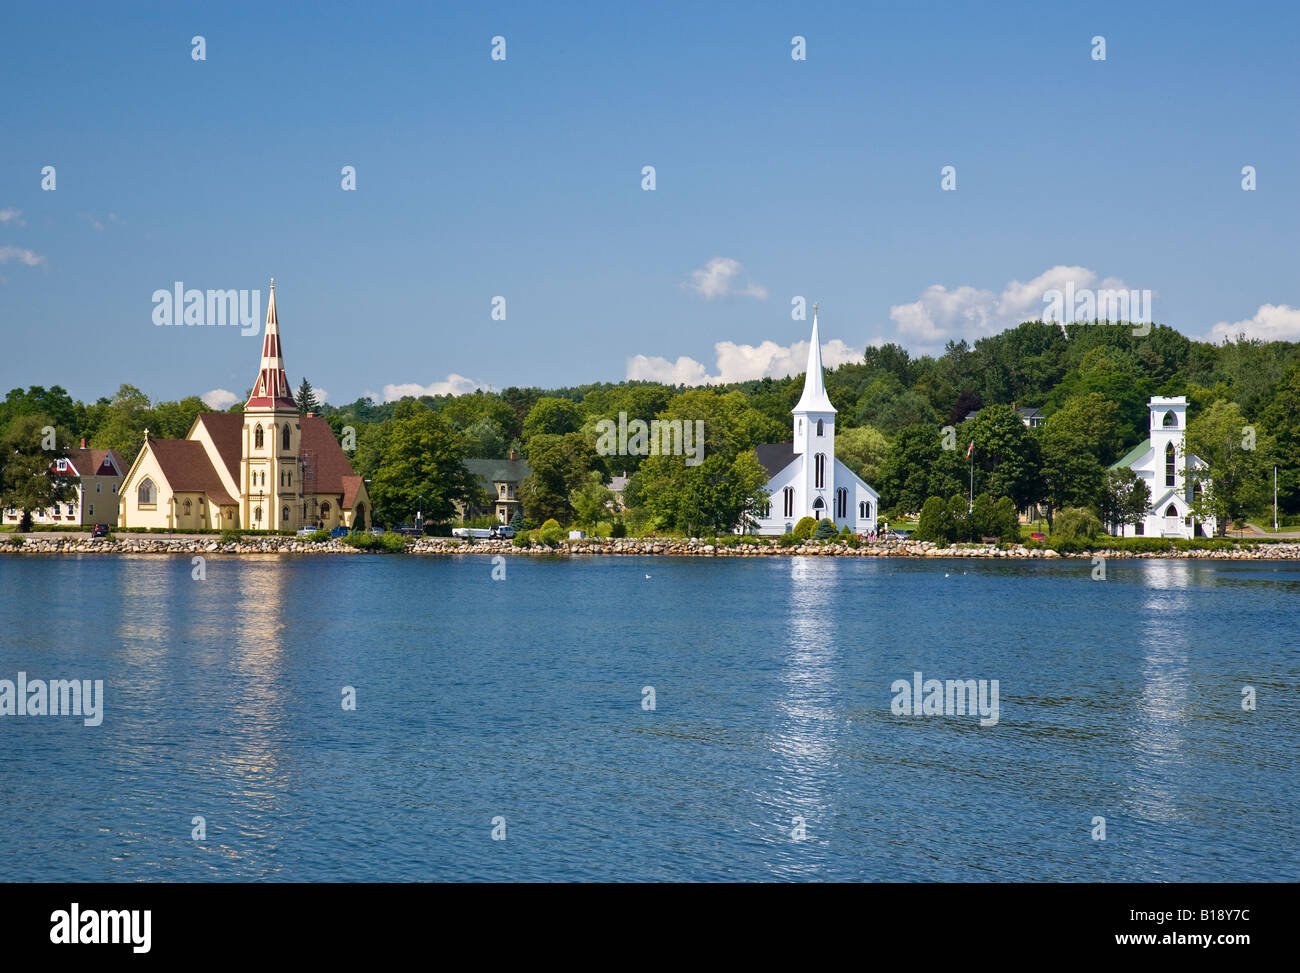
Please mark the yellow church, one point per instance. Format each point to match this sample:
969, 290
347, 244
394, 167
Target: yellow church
271, 468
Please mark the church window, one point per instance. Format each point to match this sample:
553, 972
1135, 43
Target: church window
1139, 528
788, 499
1170, 419
324, 510
820, 427
1171, 511
189, 507
767, 510
1169, 465
284, 515
818, 506
841, 503
819, 470
257, 514
863, 510
146, 492
284, 438
257, 437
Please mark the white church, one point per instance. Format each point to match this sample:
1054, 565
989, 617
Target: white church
1162, 462
804, 477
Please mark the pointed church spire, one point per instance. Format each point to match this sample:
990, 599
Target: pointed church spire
814, 398
271, 391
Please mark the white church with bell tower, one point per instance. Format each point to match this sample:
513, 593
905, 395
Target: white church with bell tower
805, 478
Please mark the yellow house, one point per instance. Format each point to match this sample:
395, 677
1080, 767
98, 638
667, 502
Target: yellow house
99, 473
269, 468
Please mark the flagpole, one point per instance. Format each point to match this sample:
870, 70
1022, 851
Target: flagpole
970, 508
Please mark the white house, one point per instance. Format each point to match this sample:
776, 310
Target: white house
805, 478
1162, 462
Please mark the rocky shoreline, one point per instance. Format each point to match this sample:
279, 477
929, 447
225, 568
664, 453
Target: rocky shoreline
655, 547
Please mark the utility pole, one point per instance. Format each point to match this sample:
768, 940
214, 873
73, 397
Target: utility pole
1274, 498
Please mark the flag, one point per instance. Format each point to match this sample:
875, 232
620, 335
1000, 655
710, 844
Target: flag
970, 449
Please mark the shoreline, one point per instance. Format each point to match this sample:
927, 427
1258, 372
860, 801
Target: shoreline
624, 547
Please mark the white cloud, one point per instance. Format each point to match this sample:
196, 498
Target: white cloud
739, 363
321, 394
969, 312
1272, 322
720, 277
453, 385
12, 216
219, 399
25, 257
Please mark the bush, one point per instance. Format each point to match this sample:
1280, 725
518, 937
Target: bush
391, 543
1075, 524
825, 530
319, 537
787, 540
551, 533
619, 529
803, 530
231, 535
933, 525
522, 539
13, 540
750, 539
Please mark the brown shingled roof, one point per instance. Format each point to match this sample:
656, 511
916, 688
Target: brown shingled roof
89, 462
185, 464
226, 428
333, 471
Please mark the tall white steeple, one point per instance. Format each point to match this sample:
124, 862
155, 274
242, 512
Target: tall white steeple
814, 398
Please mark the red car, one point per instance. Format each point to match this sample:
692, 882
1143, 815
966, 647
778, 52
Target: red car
1036, 536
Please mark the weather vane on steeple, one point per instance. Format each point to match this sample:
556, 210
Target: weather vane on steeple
815, 307
273, 283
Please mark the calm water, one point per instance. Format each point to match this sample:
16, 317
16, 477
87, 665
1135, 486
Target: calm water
522, 698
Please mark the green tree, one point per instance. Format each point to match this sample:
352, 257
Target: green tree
307, 401
417, 461
804, 528
1125, 498
560, 465
589, 501
124, 422
1076, 523
934, 524
1239, 457
1006, 456
1007, 519
863, 450
29, 480
551, 417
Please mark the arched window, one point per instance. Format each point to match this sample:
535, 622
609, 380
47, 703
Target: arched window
819, 470
819, 505
1170, 465
257, 514
284, 438
787, 496
189, 507
1171, 511
324, 510
284, 515
146, 493
820, 428
1170, 419
841, 503
257, 437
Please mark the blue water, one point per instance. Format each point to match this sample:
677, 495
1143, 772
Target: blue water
522, 699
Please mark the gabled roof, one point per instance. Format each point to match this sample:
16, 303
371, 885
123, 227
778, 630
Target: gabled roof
225, 428
96, 462
332, 467
187, 469
774, 457
1132, 456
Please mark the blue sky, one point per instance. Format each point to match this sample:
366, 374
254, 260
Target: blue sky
522, 178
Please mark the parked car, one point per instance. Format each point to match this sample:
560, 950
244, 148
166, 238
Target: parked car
897, 535
99, 530
306, 531
1037, 536
503, 532
376, 530
339, 531
409, 530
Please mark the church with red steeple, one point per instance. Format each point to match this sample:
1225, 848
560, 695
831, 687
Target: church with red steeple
269, 468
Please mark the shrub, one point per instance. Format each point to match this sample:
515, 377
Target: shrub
824, 531
787, 540
749, 539
551, 533
319, 537
391, 543
1075, 524
803, 530
933, 525
619, 529
13, 540
522, 539
231, 535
